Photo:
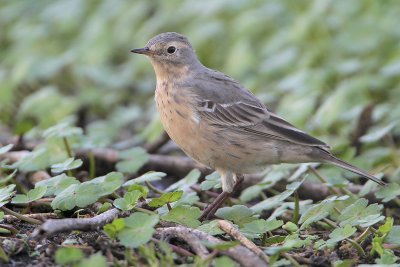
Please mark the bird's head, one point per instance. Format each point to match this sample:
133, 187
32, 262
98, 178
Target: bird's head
169, 50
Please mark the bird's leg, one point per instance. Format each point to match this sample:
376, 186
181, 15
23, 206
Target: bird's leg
210, 210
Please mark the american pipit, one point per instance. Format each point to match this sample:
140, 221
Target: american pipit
219, 123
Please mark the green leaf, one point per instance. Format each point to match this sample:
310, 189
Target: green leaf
359, 214
394, 235
66, 199
57, 184
3, 256
261, 226
344, 263
315, 213
129, 200
62, 130
6, 193
143, 190
190, 179
319, 211
211, 228
388, 192
290, 227
32, 195
5, 149
104, 207
378, 134
107, 184
185, 215
87, 193
95, 260
69, 255
224, 261
340, 234
133, 160
68, 164
147, 177
291, 242
277, 200
239, 214
388, 258
212, 180
138, 230
8, 178
386, 227
113, 228
165, 198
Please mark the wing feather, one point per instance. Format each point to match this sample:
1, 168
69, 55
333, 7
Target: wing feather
223, 102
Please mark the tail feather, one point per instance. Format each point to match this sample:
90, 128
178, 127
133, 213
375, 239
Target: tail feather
342, 164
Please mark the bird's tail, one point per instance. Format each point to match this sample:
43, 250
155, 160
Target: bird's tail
342, 164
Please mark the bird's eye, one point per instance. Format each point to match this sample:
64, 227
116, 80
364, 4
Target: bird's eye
171, 49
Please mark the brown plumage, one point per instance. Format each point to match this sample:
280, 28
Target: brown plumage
219, 123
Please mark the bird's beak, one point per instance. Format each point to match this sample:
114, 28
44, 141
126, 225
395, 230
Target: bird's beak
144, 51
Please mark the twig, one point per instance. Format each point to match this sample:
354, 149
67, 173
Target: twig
20, 216
177, 249
38, 216
174, 165
153, 147
186, 235
240, 254
53, 226
228, 228
323, 180
291, 259
9, 228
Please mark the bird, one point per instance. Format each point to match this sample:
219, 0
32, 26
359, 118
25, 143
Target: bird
221, 124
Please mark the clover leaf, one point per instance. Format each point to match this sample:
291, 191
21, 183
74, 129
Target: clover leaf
68, 164
6, 193
185, 215
239, 214
138, 230
129, 200
165, 198
32, 195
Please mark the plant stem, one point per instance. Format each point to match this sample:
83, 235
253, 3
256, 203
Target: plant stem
169, 206
363, 235
155, 189
67, 147
144, 210
323, 180
264, 239
291, 259
359, 249
92, 165
296, 211
20, 216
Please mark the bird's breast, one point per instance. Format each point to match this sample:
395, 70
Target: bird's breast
180, 121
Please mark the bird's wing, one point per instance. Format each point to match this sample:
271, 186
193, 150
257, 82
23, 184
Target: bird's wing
225, 103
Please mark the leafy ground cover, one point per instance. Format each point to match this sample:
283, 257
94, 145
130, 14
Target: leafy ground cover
88, 178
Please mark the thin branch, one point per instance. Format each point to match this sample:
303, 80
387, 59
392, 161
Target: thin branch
20, 216
228, 228
53, 226
156, 145
38, 216
186, 235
